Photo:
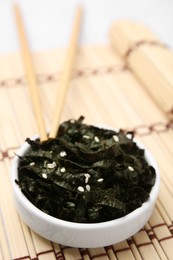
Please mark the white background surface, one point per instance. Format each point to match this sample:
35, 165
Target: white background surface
48, 22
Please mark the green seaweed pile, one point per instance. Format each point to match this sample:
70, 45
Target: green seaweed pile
86, 174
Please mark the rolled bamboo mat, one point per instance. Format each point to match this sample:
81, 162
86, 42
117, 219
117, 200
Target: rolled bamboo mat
101, 90
150, 60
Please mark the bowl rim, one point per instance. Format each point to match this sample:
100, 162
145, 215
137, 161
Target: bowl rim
64, 223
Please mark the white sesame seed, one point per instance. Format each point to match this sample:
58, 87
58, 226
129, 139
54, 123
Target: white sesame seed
51, 165
72, 121
116, 138
96, 139
100, 180
86, 136
62, 169
81, 189
87, 175
86, 180
70, 204
129, 136
32, 164
44, 175
88, 188
63, 153
131, 168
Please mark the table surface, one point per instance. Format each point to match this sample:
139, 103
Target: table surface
48, 22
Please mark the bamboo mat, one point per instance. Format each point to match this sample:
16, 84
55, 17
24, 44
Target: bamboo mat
105, 91
150, 60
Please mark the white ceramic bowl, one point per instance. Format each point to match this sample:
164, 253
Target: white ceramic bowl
83, 235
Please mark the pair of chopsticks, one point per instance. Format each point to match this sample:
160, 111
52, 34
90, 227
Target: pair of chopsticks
31, 78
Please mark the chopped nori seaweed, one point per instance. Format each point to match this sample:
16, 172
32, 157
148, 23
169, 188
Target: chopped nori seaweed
86, 174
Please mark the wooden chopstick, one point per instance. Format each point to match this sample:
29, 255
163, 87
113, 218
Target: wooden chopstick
72, 46
31, 79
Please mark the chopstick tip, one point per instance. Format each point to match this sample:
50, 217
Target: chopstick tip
79, 9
